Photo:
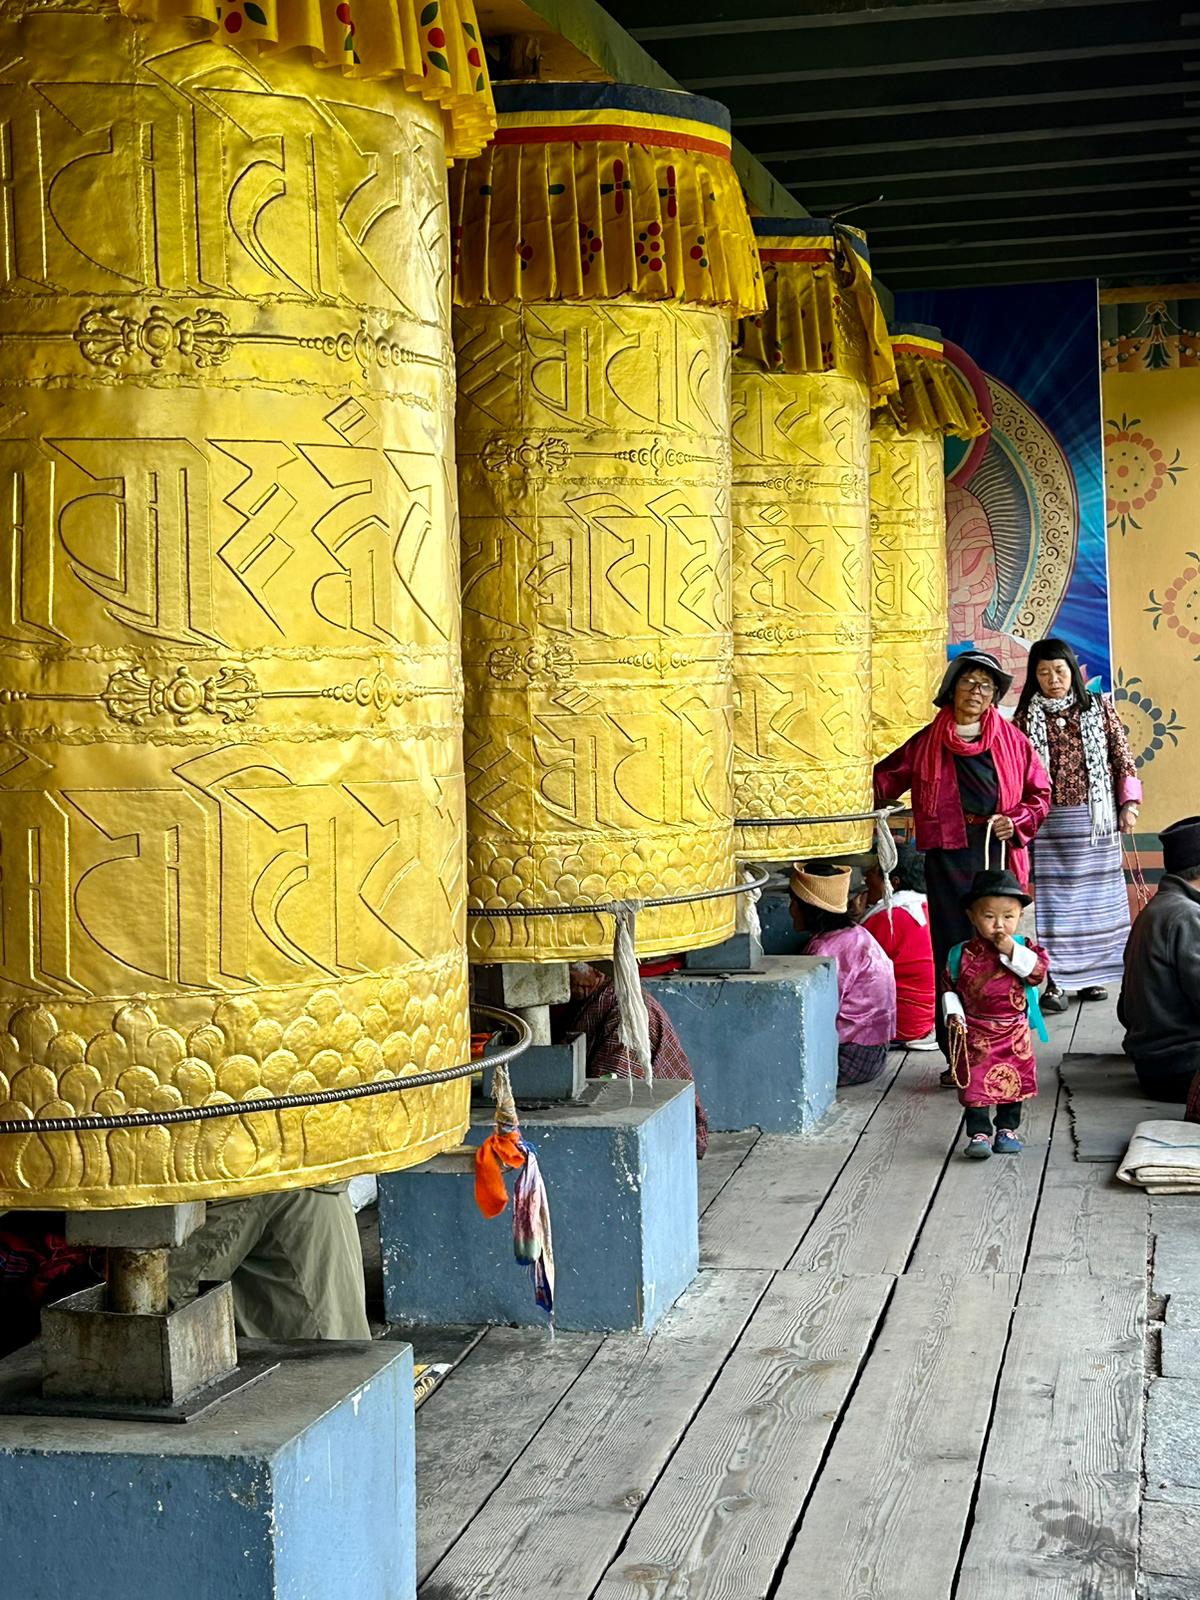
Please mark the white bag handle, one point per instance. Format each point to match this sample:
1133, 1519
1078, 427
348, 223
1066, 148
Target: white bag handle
987, 848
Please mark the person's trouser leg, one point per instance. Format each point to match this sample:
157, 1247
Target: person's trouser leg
978, 1119
1158, 1085
305, 1278
294, 1260
1009, 1116
216, 1250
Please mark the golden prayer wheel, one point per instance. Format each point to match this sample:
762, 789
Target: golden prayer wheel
231, 811
603, 246
805, 375
909, 620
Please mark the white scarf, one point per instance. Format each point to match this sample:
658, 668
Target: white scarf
904, 900
1101, 800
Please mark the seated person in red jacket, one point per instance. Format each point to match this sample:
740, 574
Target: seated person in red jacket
904, 934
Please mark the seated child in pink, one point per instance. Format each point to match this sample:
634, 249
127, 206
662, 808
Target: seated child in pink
990, 986
866, 1018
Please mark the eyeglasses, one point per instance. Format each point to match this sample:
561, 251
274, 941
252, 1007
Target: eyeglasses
985, 686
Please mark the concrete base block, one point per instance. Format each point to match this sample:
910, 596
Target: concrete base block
545, 1072
779, 938
301, 1487
621, 1176
742, 953
763, 1045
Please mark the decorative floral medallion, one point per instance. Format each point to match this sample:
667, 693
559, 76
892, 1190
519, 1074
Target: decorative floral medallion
1136, 469
1180, 604
1148, 727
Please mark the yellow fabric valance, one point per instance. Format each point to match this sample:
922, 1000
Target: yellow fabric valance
930, 397
434, 46
590, 191
822, 309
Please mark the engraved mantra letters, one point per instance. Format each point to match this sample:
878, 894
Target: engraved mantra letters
231, 795
801, 607
593, 461
908, 562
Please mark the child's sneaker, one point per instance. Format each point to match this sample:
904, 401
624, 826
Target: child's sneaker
1006, 1143
979, 1147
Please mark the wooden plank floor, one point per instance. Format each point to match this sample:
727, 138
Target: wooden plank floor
899, 1376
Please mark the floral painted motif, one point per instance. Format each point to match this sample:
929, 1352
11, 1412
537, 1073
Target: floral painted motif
651, 251
1180, 604
343, 13
1136, 469
1147, 726
435, 38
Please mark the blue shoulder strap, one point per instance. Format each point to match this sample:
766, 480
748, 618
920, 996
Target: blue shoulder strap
954, 962
1033, 1003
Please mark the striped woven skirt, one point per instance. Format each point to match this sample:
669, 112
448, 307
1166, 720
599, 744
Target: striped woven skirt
1082, 906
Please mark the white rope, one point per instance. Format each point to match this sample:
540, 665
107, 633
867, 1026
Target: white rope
502, 1095
747, 911
633, 1020
885, 853
987, 847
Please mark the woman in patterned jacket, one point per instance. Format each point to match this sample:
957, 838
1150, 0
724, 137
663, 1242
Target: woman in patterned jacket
1078, 873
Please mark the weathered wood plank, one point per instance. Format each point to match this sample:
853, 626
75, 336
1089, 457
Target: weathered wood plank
555, 1523
783, 1182
982, 1213
1106, 1104
725, 1154
717, 1523
887, 1517
1057, 1512
874, 1210
1087, 1223
472, 1429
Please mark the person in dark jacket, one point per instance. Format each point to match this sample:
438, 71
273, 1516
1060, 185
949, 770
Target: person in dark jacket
1160, 998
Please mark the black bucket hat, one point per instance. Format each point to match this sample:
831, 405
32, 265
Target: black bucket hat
972, 658
994, 881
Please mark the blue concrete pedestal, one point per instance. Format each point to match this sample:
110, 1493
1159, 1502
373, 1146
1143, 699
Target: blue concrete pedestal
301, 1487
763, 1045
621, 1176
779, 937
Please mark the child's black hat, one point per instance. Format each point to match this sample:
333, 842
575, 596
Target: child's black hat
992, 882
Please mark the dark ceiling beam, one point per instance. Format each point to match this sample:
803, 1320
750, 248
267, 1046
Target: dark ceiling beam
960, 222
1106, 81
903, 48
978, 133
901, 253
830, 14
1182, 167
895, 69
871, 172
1151, 265
1036, 255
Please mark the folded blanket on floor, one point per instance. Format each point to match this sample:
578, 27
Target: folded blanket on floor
1163, 1157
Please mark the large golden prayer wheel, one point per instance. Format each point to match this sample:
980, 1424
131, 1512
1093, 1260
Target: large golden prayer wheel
805, 374
231, 809
909, 620
603, 245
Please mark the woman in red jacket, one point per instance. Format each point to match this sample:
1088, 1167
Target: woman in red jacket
966, 768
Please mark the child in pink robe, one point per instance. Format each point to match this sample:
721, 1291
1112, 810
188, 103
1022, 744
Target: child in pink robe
990, 994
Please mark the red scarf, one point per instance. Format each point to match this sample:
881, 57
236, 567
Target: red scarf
942, 742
